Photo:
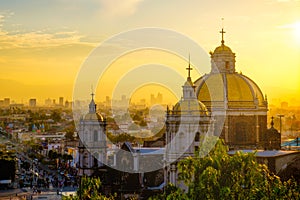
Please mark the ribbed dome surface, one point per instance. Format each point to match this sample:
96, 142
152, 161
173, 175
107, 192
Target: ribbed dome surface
233, 89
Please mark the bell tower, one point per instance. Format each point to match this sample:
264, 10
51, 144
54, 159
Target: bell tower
92, 145
222, 59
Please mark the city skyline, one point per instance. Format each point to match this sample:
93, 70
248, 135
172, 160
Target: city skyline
152, 99
44, 45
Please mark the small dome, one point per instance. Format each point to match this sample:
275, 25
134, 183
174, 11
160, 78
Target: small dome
222, 49
190, 106
93, 117
236, 90
189, 83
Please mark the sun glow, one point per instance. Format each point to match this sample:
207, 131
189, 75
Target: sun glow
296, 29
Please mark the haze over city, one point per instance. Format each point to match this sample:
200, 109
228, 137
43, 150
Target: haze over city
149, 99
44, 44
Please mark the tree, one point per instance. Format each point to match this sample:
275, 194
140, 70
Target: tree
56, 116
89, 190
216, 175
221, 176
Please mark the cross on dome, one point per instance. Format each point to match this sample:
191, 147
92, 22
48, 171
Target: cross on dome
189, 68
222, 32
272, 121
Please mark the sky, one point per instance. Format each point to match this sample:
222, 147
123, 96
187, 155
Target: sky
45, 44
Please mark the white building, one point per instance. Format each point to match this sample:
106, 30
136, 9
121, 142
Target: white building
185, 124
92, 147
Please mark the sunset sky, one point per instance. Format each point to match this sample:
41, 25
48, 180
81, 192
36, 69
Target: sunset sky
43, 43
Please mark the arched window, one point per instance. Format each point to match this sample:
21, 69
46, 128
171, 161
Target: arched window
227, 65
197, 137
95, 136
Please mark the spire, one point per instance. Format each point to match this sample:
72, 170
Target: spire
189, 69
188, 87
272, 122
222, 32
92, 94
92, 106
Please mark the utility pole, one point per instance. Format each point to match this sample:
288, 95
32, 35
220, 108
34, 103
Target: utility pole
280, 116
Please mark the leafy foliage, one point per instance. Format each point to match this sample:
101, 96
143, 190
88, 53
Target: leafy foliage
221, 176
89, 190
216, 175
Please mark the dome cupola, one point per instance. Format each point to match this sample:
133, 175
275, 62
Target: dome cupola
93, 114
222, 59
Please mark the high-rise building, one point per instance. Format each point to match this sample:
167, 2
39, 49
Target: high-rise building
156, 100
67, 104
48, 102
159, 98
32, 102
6, 101
61, 101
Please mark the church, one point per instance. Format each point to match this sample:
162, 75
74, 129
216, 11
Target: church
222, 103
92, 148
235, 101
229, 104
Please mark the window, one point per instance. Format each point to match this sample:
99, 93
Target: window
95, 136
96, 159
227, 65
197, 137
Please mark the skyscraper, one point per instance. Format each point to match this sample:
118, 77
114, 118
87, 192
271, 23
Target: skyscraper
32, 102
61, 101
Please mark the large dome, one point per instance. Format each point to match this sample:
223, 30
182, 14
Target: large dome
230, 90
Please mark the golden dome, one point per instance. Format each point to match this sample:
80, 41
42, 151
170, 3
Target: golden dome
223, 48
233, 89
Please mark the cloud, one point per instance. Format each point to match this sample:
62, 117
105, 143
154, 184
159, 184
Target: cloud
36, 39
17, 39
119, 8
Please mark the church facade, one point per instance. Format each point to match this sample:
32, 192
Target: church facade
222, 103
186, 123
92, 147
